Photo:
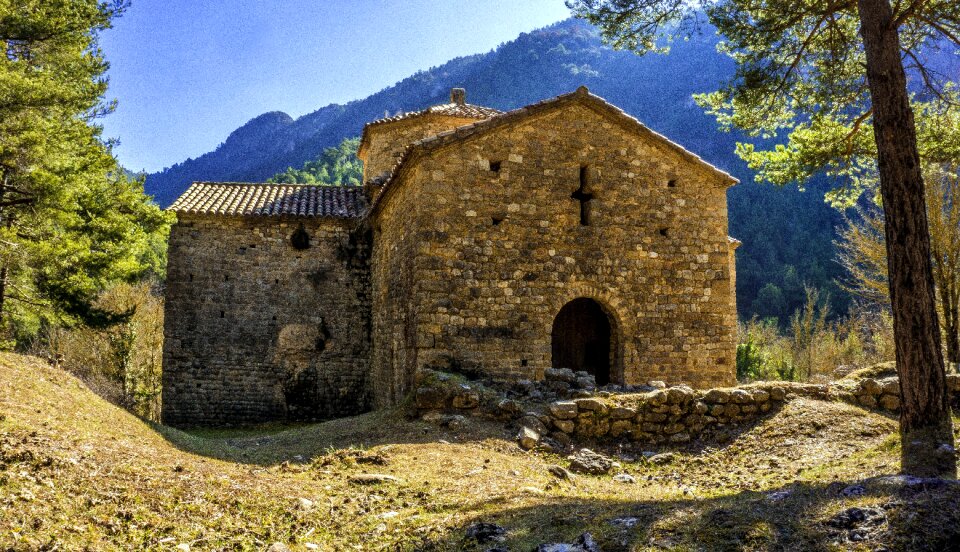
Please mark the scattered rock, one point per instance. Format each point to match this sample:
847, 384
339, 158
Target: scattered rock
566, 426
624, 478
890, 402
657, 384
278, 547
528, 438
585, 543
559, 374
455, 422
852, 491
856, 524
662, 458
486, 532
588, 383
589, 462
560, 472
466, 399
563, 439
625, 522
509, 408
372, 478
533, 422
304, 504
777, 496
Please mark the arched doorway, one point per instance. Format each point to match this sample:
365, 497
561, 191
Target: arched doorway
581, 339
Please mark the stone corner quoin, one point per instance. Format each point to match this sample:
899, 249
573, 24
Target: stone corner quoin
562, 234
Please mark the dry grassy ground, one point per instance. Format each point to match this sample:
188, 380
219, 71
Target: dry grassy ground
79, 473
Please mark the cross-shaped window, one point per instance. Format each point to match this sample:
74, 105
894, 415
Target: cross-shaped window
583, 196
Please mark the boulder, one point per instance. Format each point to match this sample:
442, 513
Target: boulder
509, 408
589, 462
466, 399
662, 459
717, 396
585, 543
560, 374
657, 384
528, 438
534, 423
624, 478
486, 532
563, 410
431, 398
870, 387
740, 396
562, 439
890, 402
592, 404
680, 394
890, 386
588, 383
566, 426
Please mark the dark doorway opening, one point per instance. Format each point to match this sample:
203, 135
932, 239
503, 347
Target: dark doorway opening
581, 339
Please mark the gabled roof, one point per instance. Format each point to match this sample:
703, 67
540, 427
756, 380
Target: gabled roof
456, 108
267, 199
580, 95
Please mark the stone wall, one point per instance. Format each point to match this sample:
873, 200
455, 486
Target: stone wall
385, 142
668, 415
258, 330
473, 278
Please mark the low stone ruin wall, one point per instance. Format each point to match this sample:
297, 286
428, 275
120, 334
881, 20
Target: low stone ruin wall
554, 415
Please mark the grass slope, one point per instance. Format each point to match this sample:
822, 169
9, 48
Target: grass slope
79, 473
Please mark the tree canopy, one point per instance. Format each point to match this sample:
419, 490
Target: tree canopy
832, 76
71, 220
336, 166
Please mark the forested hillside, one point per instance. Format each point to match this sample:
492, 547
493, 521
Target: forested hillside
787, 235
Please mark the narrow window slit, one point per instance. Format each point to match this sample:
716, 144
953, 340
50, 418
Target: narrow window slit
496, 220
671, 183
664, 232
583, 196
495, 166
222, 314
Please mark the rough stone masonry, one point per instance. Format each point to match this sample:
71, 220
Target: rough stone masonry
561, 234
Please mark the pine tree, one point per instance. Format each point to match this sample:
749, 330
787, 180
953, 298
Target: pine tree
71, 221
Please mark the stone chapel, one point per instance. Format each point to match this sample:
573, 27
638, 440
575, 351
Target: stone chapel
561, 234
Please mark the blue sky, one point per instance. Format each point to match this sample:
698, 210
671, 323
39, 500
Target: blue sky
188, 72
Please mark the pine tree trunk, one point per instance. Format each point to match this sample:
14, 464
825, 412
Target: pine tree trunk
925, 426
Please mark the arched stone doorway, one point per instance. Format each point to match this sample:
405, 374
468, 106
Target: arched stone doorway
581, 339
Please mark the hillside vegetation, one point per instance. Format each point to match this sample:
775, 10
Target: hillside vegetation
77, 472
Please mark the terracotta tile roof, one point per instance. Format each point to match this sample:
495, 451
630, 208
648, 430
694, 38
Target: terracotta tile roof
265, 199
458, 107
464, 111
579, 95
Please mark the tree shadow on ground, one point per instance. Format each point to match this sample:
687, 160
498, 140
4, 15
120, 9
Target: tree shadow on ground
800, 516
